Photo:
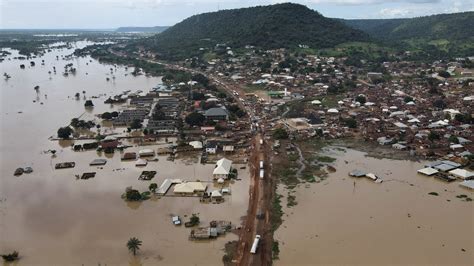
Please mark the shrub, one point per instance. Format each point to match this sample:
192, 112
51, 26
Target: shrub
64, 132
280, 133
133, 195
11, 257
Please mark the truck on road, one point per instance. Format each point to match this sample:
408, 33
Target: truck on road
253, 250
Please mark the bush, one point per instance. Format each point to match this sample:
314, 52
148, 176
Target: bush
152, 187
275, 250
64, 132
361, 99
280, 133
133, 195
439, 103
433, 136
453, 139
195, 119
11, 257
201, 79
233, 173
350, 122
194, 220
136, 124
444, 74
88, 103
106, 116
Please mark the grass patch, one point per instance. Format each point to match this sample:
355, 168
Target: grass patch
293, 157
277, 213
308, 177
433, 194
275, 250
326, 159
291, 200
249, 88
230, 249
209, 56
286, 174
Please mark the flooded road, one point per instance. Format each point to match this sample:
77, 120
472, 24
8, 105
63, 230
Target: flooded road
343, 220
53, 219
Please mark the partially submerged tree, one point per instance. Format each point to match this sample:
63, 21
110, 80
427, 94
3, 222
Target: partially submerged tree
11, 256
64, 132
133, 195
88, 103
133, 245
152, 187
194, 220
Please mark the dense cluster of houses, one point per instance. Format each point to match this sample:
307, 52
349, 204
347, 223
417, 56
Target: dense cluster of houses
407, 105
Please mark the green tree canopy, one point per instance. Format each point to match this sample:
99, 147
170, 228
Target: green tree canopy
195, 119
133, 245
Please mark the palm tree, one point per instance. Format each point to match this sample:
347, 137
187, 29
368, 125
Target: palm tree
133, 245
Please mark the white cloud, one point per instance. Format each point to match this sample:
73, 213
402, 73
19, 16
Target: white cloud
414, 10
395, 12
372, 2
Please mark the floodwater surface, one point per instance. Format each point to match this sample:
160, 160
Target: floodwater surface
52, 218
349, 221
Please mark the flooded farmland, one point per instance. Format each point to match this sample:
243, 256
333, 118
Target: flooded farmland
52, 218
347, 221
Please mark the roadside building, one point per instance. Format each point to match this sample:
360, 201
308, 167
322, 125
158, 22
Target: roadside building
462, 174
211, 147
189, 188
217, 114
223, 168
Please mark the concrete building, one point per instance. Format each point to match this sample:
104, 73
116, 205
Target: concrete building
222, 170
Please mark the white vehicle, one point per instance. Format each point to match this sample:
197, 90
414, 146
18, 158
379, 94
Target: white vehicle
176, 220
261, 141
262, 173
261, 164
253, 250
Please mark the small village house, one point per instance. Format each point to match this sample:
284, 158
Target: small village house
223, 168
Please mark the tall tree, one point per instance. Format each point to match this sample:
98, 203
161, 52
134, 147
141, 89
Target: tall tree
133, 245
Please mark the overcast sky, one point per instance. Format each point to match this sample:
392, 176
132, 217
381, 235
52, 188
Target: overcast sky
104, 14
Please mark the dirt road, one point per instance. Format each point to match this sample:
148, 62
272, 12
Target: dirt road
261, 190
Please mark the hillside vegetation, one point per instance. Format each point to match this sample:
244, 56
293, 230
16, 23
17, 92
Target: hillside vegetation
269, 27
436, 36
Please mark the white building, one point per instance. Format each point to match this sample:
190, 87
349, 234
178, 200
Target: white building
222, 170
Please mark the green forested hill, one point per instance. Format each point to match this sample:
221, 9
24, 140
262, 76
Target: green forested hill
377, 28
443, 26
275, 26
436, 36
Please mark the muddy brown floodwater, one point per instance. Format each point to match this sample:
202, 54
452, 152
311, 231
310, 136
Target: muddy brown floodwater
53, 219
347, 221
